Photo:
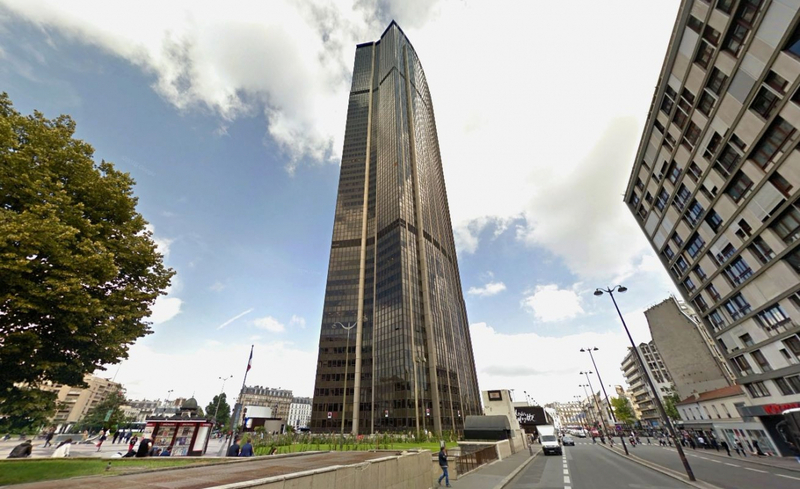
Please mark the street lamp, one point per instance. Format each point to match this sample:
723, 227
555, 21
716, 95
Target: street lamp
346, 363
168, 393
589, 405
619, 288
219, 398
603, 386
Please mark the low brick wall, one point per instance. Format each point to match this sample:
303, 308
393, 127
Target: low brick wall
409, 470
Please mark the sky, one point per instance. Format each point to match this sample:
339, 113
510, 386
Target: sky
230, 117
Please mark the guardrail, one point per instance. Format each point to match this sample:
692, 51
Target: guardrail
470, 461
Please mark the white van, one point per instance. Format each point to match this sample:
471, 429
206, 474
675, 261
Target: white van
549, 440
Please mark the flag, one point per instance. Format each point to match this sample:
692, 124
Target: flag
250, 360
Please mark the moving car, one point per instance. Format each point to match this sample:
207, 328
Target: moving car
549, 440
568, 441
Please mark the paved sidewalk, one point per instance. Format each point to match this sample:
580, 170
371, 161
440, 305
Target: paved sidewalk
786, 463
492, 475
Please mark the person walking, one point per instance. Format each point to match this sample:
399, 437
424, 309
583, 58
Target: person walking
233, 450
726, 447
758, 450
62, 450
443, 465
49, 438
247, 449
116, 437
132, 443
740, 448
102, 439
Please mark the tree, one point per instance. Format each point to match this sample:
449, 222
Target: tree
106, 414
79, 270
670, 406
623, 409
224, 414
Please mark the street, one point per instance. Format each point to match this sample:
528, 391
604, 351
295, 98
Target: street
588, 466
719, 469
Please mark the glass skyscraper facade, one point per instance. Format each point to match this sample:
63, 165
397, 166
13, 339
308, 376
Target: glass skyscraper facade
395, 352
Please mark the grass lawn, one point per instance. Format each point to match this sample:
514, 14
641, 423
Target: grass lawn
33, 470
297, 447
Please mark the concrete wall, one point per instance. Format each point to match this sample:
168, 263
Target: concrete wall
684, 350
410, 470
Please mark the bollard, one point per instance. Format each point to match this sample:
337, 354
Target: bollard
530, 449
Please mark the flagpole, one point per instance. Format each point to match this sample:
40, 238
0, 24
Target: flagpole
241, 406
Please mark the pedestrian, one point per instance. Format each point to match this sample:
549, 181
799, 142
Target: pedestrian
648, 440
102, 439
128, 435
144, 448
165, 452
701, 441
714, 444
116, 437
233, 450
22, 450
726, 447
758, 450
247, 449
692, 443
85, 434
48, 438
443, 465
132, 443
62, 450
740, 448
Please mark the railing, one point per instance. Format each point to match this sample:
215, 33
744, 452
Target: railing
467, 462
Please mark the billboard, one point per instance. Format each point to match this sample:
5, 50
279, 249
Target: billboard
530, 416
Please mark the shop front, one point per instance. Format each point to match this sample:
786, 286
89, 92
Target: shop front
182, 436
772, 419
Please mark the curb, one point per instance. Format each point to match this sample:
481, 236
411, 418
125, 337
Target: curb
503, 483
757, 461
663, 470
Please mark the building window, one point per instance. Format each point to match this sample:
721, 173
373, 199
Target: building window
681, 197
741, 365
742, 23
727, 160
713, 292
793, 344
717, 320
696, 244
711, 35
692, 135
780, 183
689, 284
681, 264
739, 187
746, 340
725, 5
728, 251
716, 80
676, 238
714, 220
695, 212
694, 172
695, 24
669, 100
772, 317
704, 54
648, 198
668, 252
788, 385
765, 103
761, 360
700, 303
713, 145
761, 250
777, 82
757, 389
700, 273
775, 140
737, 306
793, 259
661, 202
639, 183
793, 43
787, 226
706, 104
738, 271
673, 172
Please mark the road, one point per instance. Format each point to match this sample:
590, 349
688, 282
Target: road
590, 467
728, 472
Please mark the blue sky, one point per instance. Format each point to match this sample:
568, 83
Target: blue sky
231, 123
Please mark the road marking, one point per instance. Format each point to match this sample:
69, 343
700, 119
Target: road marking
566, 479
788, 477
756, 470
732, 465
716, 461
702, 458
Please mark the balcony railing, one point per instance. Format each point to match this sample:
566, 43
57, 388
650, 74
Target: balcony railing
471, 461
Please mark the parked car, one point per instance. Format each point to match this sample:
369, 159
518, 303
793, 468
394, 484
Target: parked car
568, 441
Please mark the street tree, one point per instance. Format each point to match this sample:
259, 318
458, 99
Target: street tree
670, 407
623, 409
79, 270
224, 414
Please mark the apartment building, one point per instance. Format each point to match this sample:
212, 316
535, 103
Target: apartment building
278, 399
643, 397
714, 187
300, 412
74, 402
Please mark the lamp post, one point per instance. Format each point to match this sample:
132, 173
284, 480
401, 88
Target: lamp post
346, 362
608, 402
168, 394
219, 398
589, 405
664, 418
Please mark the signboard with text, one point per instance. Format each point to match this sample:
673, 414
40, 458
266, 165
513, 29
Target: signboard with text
530, 416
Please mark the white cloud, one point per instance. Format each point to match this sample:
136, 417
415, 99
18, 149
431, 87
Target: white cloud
298, 321
166, 306
492, 288
162, 244
270, 324
234, 318
143, 373
217, 286
549, 303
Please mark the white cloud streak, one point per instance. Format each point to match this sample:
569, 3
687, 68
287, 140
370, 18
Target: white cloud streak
270, 324
234, 318
549, 303
490, 289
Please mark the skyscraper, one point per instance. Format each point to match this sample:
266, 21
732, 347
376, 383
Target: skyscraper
395, 352
715, 188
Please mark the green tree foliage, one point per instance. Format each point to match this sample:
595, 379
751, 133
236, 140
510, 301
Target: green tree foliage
78, 269
623, 409
224, 414
107, 414
670, 406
